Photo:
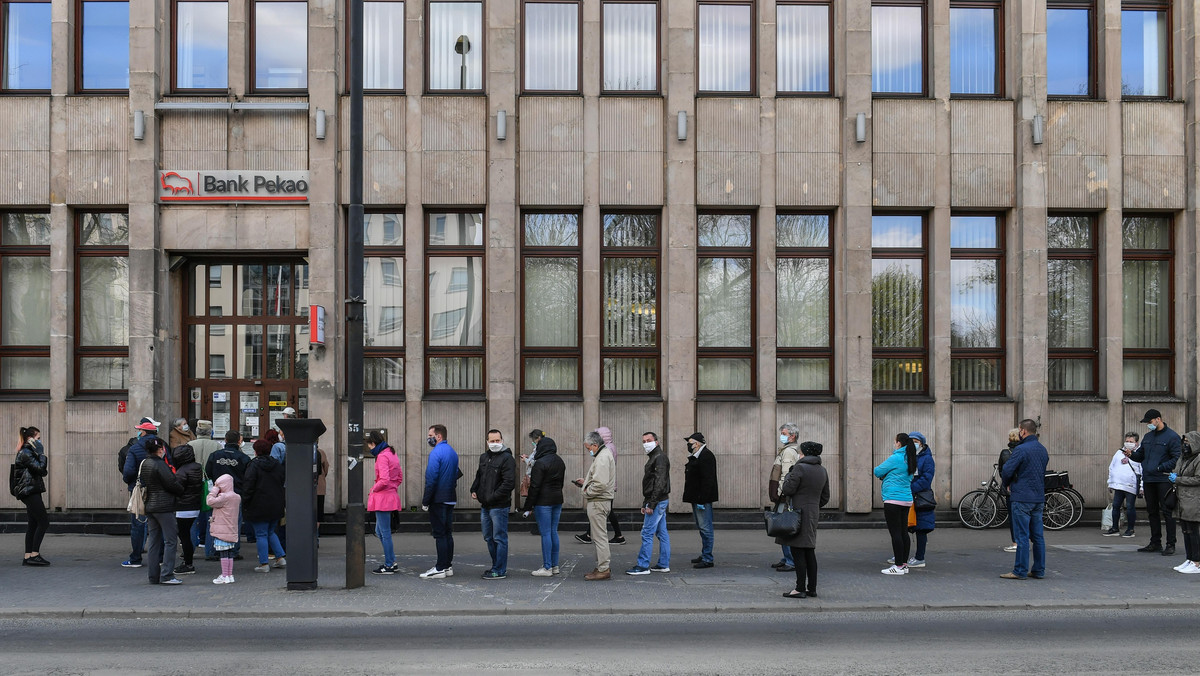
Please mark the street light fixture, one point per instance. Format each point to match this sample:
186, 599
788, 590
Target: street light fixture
461, 46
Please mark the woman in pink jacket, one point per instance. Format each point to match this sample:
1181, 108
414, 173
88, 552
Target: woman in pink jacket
384, 499
223, 525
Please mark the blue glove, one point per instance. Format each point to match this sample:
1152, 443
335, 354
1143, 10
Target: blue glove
1172, 476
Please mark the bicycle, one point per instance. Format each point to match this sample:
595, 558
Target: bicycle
984, 507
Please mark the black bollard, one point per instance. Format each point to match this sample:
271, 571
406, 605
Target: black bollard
300, 436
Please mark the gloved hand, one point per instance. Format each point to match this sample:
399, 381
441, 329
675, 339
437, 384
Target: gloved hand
1172, 476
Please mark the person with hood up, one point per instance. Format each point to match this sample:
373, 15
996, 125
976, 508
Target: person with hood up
224, 525
922, 481
545, 499
441, 495
656, 489
263, 504
163, 490
187, 507
384, 499
493, 486
1186, 478
32, 468
202, 447
147, 432
806, 487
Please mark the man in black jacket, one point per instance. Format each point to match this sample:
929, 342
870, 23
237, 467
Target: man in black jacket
700, 491
230, 460
656, 488
162, 490
1158, 454
493, 487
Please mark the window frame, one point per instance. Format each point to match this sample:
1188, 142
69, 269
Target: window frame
655, 352
452, 251
924, 6
658, 55
750, 253
29, 351
997, 6
1169, 8
578, 90
252, 86
346, 52
1093, 92
999, 353
78, 39
388, 351
1159, 256
922, 353
4, 45
80, 252
174, 62
482, 90
817, 253
1078, 353
779, 93
527, 352
753, 90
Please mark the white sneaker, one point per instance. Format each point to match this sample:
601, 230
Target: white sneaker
1192, 570
891, 559
894, 570
265, 568
220, 579
1010, 549
434, 574
1181, 567
543, 572
280, 563
450, 571
916, 563
554, 570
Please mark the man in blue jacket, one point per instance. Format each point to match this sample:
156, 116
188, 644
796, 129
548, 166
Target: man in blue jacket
1024, 476
1158, 454
147, 428
441, 477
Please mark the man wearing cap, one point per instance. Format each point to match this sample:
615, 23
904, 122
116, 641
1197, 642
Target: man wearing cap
147, 430
203, 446
1158, 454
700, 491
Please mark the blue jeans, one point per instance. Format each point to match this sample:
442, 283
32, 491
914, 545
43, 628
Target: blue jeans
441, 522
1027, 525
787, 556
383, 531
137, 537
495, 533
703, 516
655, 524
1119, 497
264, 534
547, 520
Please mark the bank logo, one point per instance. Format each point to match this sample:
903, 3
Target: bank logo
233, 187
171, 180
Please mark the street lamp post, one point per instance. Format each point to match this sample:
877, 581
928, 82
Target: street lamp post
355, 305
462, 45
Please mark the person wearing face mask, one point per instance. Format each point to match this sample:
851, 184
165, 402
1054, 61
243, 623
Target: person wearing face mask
181, 433
787, 456
1186, 478
1158, 454
1124, 478
493, 487
32, 468
384, 499
441, 495
617, 539
545, 499
1024, 478
599, 486
656, 488
700, 491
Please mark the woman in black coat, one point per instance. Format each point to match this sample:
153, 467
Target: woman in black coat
187, 508
31, 472
806, 487
263, 503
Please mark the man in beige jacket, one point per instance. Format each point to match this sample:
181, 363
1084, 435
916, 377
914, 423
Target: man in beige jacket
598, 488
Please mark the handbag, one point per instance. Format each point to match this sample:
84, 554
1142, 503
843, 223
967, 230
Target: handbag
1170, 498
783, 523
137, 497
924, 501
208, 484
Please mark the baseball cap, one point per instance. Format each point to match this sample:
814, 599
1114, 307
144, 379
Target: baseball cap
289, 411
148, 424
697, 436
1151, 415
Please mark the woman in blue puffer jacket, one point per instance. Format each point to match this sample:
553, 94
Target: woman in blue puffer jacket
922, 481
896, 473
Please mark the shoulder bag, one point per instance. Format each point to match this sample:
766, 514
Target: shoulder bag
1171, 498
924, 501
137, 497
783, 521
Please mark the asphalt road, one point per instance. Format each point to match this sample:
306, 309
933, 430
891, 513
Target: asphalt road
927, 643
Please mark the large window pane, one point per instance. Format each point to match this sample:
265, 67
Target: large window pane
251, 285
24, 373
105, 57
384, 284
383, 374
898, 375
455, 301
630, 46
973, 50
250, 349
897, 50
104, 229
25, 229
103, 373
279, 290
551, 302
724, 298
630, 302
802, 49
104, 301
1068, 52
202, 45
1147, 375
802, 231
383, 230
551, 46
974, 295
1070, 375
630, 230
383, 45
1069, 232
26, 40
898, 302
975, 375
1147, 302
897, 232
448, 68
561, 230
279, 352
974, 232
802, 288
1144, 54
1069, 303
25, 300
725, 50
280, 45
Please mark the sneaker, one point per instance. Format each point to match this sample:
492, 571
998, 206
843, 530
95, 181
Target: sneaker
891, 559
1111, 532
779, 564
450, 571
703, 564
386, 570
184, 569
221, 579
264, 568
895, 570
1127, 534
555, 570
617, 540
543, 572
916, 563
1183, 566
131, 564
1010, 549
280, 563
493, 575
173, 580
660, 569
433, 574
1191, 571
584, 538
638, 570
1152, 547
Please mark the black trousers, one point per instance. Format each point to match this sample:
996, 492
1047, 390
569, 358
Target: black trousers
38, 522
184, 527
897, 524
1155, 491
806, 568
1191, 539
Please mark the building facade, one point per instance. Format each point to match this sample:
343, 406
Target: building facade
862, 217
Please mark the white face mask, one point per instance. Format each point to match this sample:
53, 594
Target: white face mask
783, 439
185, 427
495, 448
1130, 445
650, 445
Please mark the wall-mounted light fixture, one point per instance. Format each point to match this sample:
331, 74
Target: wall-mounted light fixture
1039, 129
321, 124
860, 127
139, 125
681, 126
501, 125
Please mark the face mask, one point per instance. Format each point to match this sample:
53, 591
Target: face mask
1150, 426
432, 441
783, 439
592, 453
185, 428
533, 445
37, 443
495, 448
1129, 445
651, 445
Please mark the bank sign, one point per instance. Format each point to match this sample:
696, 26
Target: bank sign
233, 187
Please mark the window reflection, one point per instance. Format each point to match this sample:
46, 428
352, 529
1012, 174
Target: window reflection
450, 69
105, 56
26, 44
202, 45
280, 45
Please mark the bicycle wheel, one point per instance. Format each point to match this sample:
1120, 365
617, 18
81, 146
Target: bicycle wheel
977, 509
1002, 514
1058, 511
1077, 500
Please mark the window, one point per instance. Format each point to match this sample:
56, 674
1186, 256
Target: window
629, 261
550, 327
630, 62
103, 47
1070, 63
102, 312
280, 53
726, 47
803, 63
803, 303
383, 46
976, 304
454, 289
383, 283
1146, 49
1071, 304
25, 303
201, 44
898, 321
455, 44
725, 303
1148, 318
551, 46
25, 46
976, 36
898, 47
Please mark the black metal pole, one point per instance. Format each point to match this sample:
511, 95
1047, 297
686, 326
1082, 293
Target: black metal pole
355, 512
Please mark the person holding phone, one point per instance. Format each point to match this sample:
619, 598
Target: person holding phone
32, 469
599, 486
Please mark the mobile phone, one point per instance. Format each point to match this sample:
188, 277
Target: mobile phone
577, 482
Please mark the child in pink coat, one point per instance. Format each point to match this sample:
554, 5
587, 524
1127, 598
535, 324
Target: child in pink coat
384, 499
226, 506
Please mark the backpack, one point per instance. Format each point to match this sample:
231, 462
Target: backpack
121, 454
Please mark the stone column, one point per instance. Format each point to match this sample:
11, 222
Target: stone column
590, 226
414, 245
764, 239
938, 361
1109, 239
1187, 83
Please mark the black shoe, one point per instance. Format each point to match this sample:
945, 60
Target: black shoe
212, 558
703, 564
779, 564
1152, 547
812, 593
1169, 550
1111, 532
238, 557
617, 540
35, 561
786, 569
184, 569
584, 538
698, 559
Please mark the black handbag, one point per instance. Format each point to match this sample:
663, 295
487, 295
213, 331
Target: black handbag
783, 523
1170, 498
924, 501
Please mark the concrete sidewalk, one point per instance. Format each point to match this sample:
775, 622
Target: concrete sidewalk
1085, 570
